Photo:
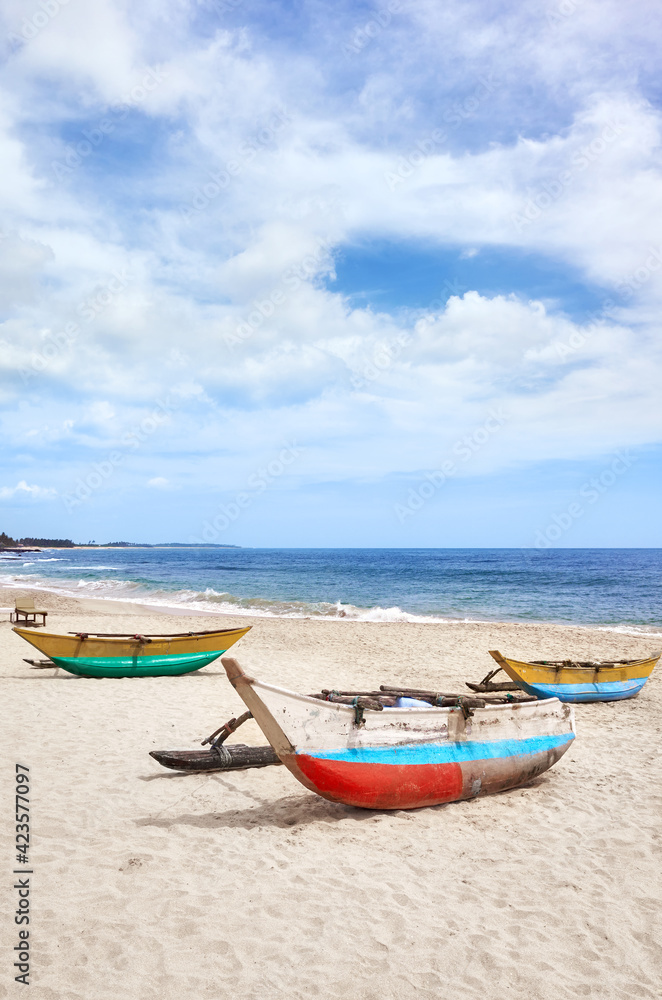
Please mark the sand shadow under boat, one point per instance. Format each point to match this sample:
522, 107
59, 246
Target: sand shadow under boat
286, 813
300, 810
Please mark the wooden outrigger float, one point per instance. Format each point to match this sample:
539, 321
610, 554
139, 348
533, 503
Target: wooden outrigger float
356, 751
579, 681
95, 654
488, 684
237, 757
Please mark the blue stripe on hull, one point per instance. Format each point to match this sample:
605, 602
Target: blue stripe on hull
602, 691
443, 753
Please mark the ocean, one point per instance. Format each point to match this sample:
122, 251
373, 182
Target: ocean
610, 588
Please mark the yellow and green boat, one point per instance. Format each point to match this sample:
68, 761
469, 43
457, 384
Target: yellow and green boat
96, 654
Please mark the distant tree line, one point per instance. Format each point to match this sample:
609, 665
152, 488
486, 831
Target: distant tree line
7, 542
47, 543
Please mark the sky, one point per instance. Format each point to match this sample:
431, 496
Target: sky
331, 273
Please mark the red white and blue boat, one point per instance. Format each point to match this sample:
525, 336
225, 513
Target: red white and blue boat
404, 758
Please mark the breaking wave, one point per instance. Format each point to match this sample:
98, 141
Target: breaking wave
383, 587
212, 601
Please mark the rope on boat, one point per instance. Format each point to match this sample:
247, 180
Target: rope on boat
359, 720
464, 705
224, 754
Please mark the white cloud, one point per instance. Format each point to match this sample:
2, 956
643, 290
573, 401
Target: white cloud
89, 44
22, 492
226, 303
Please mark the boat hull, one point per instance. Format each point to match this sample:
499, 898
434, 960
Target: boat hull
577, 693
126, 657
579, 684
406, 758
136, 666
386, 784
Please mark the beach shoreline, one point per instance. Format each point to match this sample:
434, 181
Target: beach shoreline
158, 885
380, 586
59, 598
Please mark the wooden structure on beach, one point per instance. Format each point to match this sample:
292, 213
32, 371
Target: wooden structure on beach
26, 612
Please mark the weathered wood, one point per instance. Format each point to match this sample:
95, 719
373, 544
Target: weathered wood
437, 698
235, 757
243, 685
491, 687
492, 673
445, 700
40, 664
226, 730
357, 700
595, 664
409, 692
376, 700
152, 635
348, 694
487, 684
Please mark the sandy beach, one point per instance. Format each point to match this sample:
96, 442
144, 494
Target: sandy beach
154, 885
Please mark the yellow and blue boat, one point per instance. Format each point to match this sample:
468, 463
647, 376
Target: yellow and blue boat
109, 655
578, 681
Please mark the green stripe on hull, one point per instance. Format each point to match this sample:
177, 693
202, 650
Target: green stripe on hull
135, 666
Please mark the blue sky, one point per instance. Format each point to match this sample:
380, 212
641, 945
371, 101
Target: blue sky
267, 267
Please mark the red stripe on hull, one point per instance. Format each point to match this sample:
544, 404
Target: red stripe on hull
381, 786
410, 786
